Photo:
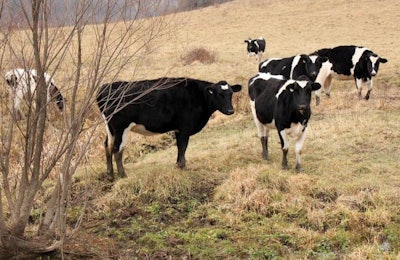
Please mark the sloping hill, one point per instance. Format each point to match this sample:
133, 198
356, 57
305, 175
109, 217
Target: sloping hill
230, 204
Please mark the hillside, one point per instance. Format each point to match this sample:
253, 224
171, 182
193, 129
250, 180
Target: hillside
229, 203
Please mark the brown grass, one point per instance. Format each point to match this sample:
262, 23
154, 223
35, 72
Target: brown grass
232, 204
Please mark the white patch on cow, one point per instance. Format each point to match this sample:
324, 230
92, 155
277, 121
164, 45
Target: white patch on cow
314, 58
266, 76
294, 64
265, 63
283, 88
297, 132
110, 137
224, 87
324, 77
302, 83
356, 57
133, 127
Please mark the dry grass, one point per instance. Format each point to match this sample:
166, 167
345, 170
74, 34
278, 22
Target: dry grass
232, 204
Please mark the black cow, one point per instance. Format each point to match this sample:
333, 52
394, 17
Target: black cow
287, 102
182, 105
348, 62
294, 67
255, 47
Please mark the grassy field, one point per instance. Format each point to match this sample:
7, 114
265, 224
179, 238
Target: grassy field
229, 203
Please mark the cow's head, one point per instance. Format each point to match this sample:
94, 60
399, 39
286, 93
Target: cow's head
373, 62
220, 96
252, 46
313, 64
301, 90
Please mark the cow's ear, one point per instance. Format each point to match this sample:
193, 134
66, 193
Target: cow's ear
236, 88
383, 60
315, 86
210, 90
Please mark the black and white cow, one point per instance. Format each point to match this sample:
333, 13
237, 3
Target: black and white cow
181, 105
23, 83
255, 47
348, 62
294, 67
285, 103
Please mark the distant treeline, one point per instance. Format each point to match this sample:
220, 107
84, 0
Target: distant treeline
66, 12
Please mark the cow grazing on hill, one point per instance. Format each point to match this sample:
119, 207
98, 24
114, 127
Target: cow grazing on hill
182, 105
348, 62
294, 67
23, 84
255, 47
285, 103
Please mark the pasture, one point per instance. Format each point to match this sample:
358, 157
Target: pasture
229, 203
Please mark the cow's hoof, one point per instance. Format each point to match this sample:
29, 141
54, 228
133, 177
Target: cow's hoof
299, 169
110, 177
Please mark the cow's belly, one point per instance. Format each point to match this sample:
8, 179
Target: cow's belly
140, 129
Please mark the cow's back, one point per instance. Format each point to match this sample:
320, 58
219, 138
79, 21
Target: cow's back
162, 105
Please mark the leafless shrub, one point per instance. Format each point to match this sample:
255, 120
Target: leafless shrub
199, 54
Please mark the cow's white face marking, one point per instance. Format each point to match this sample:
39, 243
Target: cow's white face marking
302, 84
374, 59
313, 58
224, 87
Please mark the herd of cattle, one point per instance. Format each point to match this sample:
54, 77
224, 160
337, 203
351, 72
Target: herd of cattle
280, 95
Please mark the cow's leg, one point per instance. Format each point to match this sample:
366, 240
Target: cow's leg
359, 85
369, 85
110, 171
285, 148
264, 144
120, 141
119, 162
17, 112
299, 148
327, 86
262, 132
182, 141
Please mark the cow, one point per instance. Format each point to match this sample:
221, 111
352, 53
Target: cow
255, 47
294, 67
285, 103
181, 105
348, 62
23, 83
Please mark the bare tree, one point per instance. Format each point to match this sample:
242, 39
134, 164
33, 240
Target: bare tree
42, 149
